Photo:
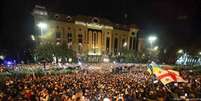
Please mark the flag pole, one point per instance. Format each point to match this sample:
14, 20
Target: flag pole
149, 78
174, 94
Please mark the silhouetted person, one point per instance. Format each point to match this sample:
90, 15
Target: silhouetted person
44, 63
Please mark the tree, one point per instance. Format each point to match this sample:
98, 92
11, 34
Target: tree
128, 55
44, 52
48, 51
61, 51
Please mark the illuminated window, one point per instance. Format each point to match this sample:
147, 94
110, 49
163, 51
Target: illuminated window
108, 33
88, 35
134, 43
107, 43
69, 37
115, 44
123, 41
94, 38
130, 44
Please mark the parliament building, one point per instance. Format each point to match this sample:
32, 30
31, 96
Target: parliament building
86, 35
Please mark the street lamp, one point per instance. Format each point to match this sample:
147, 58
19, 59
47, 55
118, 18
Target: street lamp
125, 44
180, 51
42, 26
200, 53
1, 57
152, 39
70, 60
33, 38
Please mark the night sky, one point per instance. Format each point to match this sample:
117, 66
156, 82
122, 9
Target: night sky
177, 23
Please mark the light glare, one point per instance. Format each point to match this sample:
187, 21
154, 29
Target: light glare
125, 44
1, 57
42, 25
152, 38
156, 48
70, 60
106, 60
180, 51
32, 37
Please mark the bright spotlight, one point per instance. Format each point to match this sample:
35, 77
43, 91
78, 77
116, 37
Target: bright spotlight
42, 25
180, 51
199, 53
152, 38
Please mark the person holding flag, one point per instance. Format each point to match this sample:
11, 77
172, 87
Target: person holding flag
165, 76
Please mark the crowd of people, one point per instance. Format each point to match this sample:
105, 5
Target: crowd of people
87, 85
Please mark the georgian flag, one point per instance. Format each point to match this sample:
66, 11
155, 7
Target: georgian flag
165, 76
168, 76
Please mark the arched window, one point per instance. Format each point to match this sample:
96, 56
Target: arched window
69, 19
95, 20
69, 37
80, 38
107, 43
133, 33
123, 42
115, 44
130, 42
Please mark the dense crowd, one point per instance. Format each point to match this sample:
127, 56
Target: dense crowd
87, 85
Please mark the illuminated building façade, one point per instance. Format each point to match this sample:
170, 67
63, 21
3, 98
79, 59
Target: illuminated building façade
87, 35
